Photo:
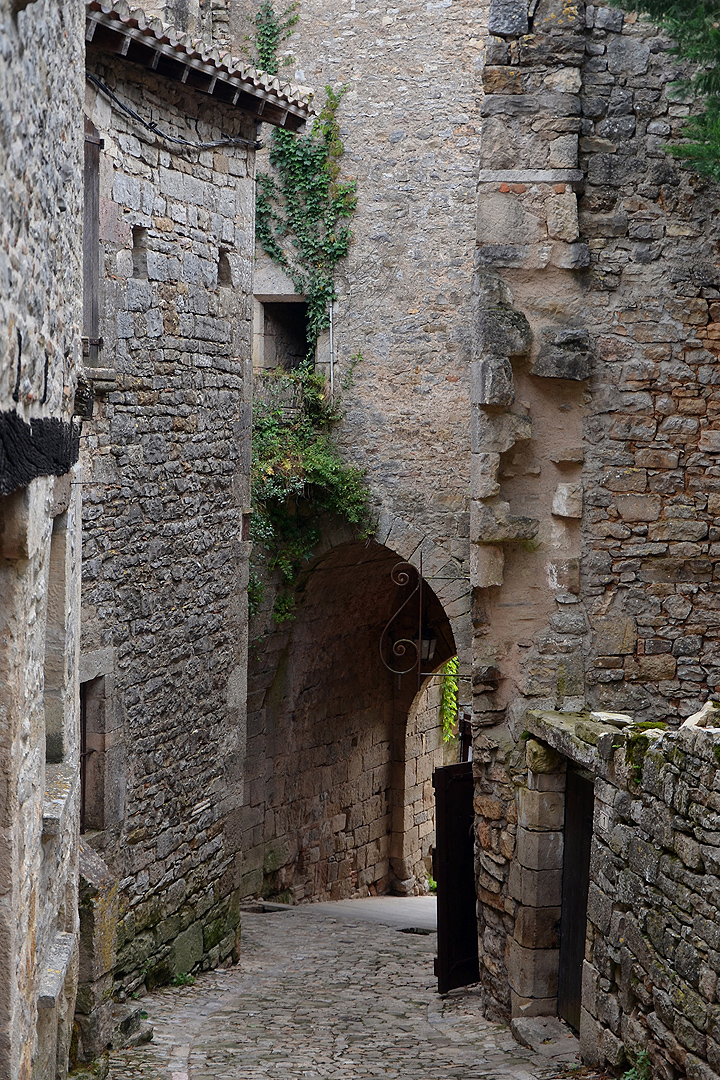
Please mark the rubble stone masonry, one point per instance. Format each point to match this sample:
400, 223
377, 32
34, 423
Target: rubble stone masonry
165, 565
41, 84
594, 426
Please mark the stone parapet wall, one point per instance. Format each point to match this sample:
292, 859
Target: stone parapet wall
165, 564
651, 967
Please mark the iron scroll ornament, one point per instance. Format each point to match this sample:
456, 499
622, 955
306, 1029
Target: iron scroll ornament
400, 575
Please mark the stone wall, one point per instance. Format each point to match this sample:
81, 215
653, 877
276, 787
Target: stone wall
409, 121
651, 969
165, 565
338, 794
41, 80
594, 424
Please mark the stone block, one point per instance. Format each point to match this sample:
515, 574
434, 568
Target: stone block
627, 56
496, 434
501, 332
564, 354
568, 500
614, 636
639, 507
590, 1039
508, 18
543, 810
484, 469
609, 19
532, 973
525, 1006
541, 758
186, 950
562, 216
540, 850
710, 440
505, 218
491, 381
486, 565
538, 928
492, 523
98, 905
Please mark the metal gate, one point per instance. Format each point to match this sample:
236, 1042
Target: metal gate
456, 963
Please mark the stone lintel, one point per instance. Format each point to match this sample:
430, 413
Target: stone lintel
52, 978
531, 176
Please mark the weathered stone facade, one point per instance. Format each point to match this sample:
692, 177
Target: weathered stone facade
594, 470
167, 493
340, 752
650, 971
41, 80
410, 127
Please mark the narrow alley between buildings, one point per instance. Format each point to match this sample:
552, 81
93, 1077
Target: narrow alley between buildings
333, 990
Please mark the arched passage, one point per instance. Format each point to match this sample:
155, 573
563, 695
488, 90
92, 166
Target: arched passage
334, 779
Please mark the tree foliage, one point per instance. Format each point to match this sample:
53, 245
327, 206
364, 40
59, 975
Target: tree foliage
694, 27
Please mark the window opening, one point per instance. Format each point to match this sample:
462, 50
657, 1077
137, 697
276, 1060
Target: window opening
92, 793
91, 244
139, 252
224, 271
285, 335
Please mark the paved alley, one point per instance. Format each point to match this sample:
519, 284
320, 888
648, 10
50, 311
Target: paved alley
322, 991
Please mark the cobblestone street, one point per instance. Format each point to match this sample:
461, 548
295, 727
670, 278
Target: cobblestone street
320, 995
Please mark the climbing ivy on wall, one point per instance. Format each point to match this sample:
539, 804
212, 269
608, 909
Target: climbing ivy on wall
302, 207
449, 699
271, 30
302, 222
302, 210
297, 477
694, 26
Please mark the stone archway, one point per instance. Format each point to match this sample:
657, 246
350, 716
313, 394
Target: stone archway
331, 807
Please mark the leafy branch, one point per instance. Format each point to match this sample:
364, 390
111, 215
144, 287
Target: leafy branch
695, 29
297, 477
271, 30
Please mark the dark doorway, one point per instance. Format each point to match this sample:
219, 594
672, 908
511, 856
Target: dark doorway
285, 333
579, 800
456, 963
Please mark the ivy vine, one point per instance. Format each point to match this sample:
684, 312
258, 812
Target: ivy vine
449, 699
302, 222
302, 211
271, 30
694, 27
297, 477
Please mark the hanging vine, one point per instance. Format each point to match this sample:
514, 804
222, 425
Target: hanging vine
449, 699
302, 222
297, 477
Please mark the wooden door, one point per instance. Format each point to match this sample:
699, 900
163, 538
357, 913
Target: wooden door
579, 800
456, 963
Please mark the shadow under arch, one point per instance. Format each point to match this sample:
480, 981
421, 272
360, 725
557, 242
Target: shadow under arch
338, 791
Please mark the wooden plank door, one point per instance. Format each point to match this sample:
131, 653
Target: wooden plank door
456, 963
579, 800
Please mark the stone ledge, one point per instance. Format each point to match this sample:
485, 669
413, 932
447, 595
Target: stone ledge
59, 787
52, 978
531, 176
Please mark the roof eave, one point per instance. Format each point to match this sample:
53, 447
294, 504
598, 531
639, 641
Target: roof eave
107, 32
